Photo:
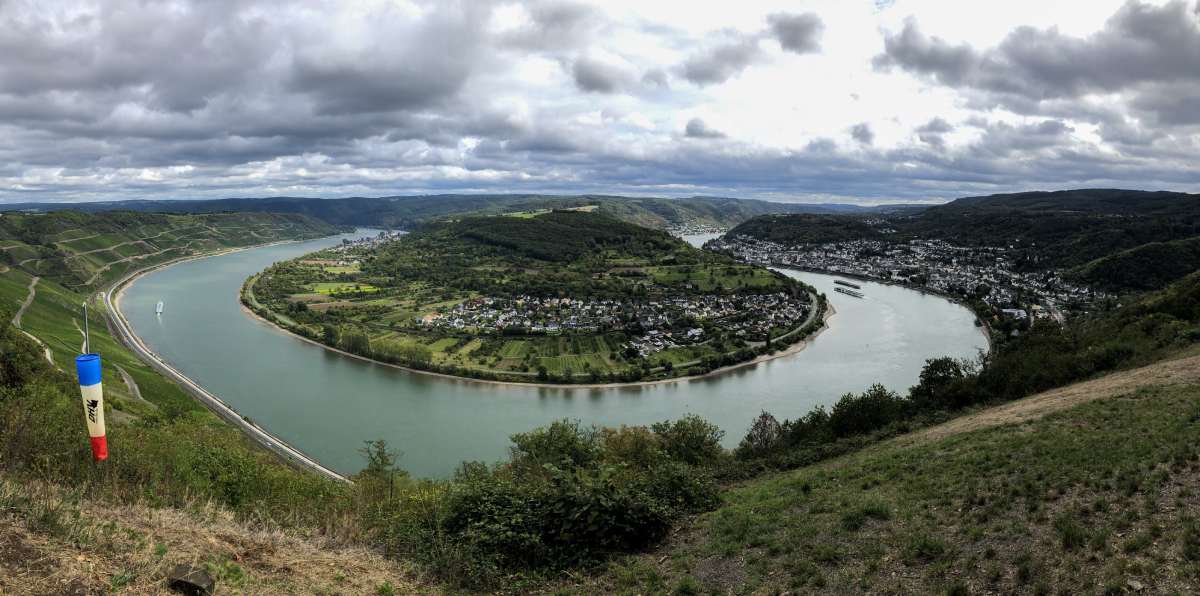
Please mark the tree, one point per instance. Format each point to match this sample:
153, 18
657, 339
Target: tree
762, 438
941, 384
331, 334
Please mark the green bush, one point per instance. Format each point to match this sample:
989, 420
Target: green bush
871, 410
691, 440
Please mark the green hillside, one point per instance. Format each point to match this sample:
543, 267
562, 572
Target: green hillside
1035, 501
1145, 267
84, 250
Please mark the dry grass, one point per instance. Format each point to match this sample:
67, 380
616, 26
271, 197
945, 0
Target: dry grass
1167, 373
52, 542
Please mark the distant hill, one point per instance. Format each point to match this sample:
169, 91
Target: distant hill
406, 212
84, 250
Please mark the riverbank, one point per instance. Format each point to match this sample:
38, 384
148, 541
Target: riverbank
792, 349
121, 329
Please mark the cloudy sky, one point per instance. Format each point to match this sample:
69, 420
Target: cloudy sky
791, 100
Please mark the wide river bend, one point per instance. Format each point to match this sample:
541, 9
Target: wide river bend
326, 404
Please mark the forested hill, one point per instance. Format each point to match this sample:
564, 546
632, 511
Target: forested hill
560, 236
568, 253
85, 250
406, 212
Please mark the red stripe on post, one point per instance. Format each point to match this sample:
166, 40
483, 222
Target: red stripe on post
99, 448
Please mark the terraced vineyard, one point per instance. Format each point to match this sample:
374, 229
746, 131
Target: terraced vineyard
84, 251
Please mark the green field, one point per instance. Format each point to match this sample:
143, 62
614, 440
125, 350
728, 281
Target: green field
339, 287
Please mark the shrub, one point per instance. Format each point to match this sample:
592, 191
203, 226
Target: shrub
563, 443
691, 440
871, 410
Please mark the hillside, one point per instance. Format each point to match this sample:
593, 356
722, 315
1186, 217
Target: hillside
1146, 267
85, 250
1043, 230
565, 296
180, 487
1048, 494
410, 212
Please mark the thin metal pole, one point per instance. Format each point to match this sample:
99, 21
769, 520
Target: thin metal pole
87, 338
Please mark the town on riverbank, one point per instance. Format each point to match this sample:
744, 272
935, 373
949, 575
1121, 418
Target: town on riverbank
983, 277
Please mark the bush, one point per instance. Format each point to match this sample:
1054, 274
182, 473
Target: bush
691, 440
860, 414
569, 495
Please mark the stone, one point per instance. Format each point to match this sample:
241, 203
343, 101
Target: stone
191, 581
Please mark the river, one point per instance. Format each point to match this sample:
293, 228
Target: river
326, 404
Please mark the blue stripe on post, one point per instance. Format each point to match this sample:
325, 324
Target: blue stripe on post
88, 368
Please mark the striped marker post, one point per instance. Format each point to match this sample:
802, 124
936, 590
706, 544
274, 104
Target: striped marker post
88, 368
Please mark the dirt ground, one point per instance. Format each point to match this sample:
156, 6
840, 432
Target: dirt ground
55, 546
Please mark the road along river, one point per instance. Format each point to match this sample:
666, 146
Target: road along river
325, 404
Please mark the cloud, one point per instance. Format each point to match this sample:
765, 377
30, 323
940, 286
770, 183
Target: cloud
697, 129
932, 133
131, 99
594, 75
722, 62
1145, 52
862, 133
798, 33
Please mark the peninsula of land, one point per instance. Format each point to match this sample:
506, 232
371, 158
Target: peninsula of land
553, 297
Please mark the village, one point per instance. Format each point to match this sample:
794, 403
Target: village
983, 272
652, 325
347, 246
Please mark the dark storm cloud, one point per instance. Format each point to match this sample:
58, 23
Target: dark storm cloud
799, 33
862, 133
1147, 52
697, 129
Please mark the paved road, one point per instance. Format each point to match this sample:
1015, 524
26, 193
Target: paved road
124, 333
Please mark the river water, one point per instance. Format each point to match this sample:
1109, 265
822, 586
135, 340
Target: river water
326, 404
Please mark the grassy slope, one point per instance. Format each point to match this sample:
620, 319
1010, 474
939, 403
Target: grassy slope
1057, 491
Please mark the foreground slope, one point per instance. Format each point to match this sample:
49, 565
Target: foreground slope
1085, 489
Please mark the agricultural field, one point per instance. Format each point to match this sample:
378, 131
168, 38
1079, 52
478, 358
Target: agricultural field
548, 296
